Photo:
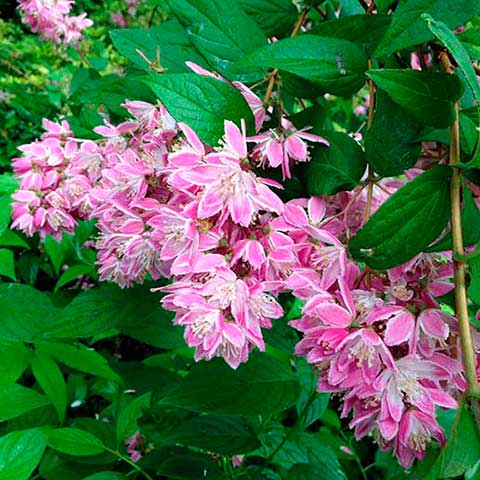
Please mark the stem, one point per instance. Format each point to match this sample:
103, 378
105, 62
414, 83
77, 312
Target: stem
357, 458
274, 74
468, 352
130, 462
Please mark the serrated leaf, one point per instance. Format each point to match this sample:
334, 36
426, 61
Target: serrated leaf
79, 358
203, 103
7, 265
219, 29
335, 65
427, 96
261, 377
337, 167
50, 378
74, 441
391, 143
20, 453
365, 31
127, 423
168, 39
409, 29
16, 400
460, 54
275, 17
410, 220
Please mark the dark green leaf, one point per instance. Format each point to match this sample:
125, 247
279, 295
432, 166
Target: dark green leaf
219, 434
7, 266
20, 453
50, 378
24, 312
5, 211
72, 273
204, 103
427, 96
219, 29
169, 39
409, 29
261, 377
337, 167
443, 33
470, 39
366, 31
306, 471
74, 441
391, 144
79, 358
337, 66
127, 423
57, 250
16, 400
275, 17
410, 220
107, 476
474, 270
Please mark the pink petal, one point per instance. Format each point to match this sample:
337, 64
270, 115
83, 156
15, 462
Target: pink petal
399, 328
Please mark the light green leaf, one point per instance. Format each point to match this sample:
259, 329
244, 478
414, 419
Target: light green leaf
7, 265
9, 238
74, 441
5, 212
203, 103
20, 453
50, 378
14, 360
79, 358
410, 220
16, 400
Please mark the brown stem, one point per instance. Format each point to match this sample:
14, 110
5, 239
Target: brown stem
421, 57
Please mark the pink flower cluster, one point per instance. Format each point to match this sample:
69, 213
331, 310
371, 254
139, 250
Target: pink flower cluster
52, 20
169, 205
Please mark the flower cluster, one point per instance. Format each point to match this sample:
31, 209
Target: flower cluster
169, 205
52, 20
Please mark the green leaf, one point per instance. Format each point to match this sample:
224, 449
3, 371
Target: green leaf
16, 400
10, 238
20, 453
365, 31
460, 54
275, 17
474, 270
57, 250
14, 360
462, 450
5, 212
72, 273
219, 29
337, 167
169, 39
410, 220
306, 471
50, 378
409, 29
335, 65
7, 265
127, 423
107, 476
8, 183
25, 312
74, 441
391, 144
470, 225
220, 434
134, 311
261, 377
470, 39
427, 96
204, 103
79, 358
